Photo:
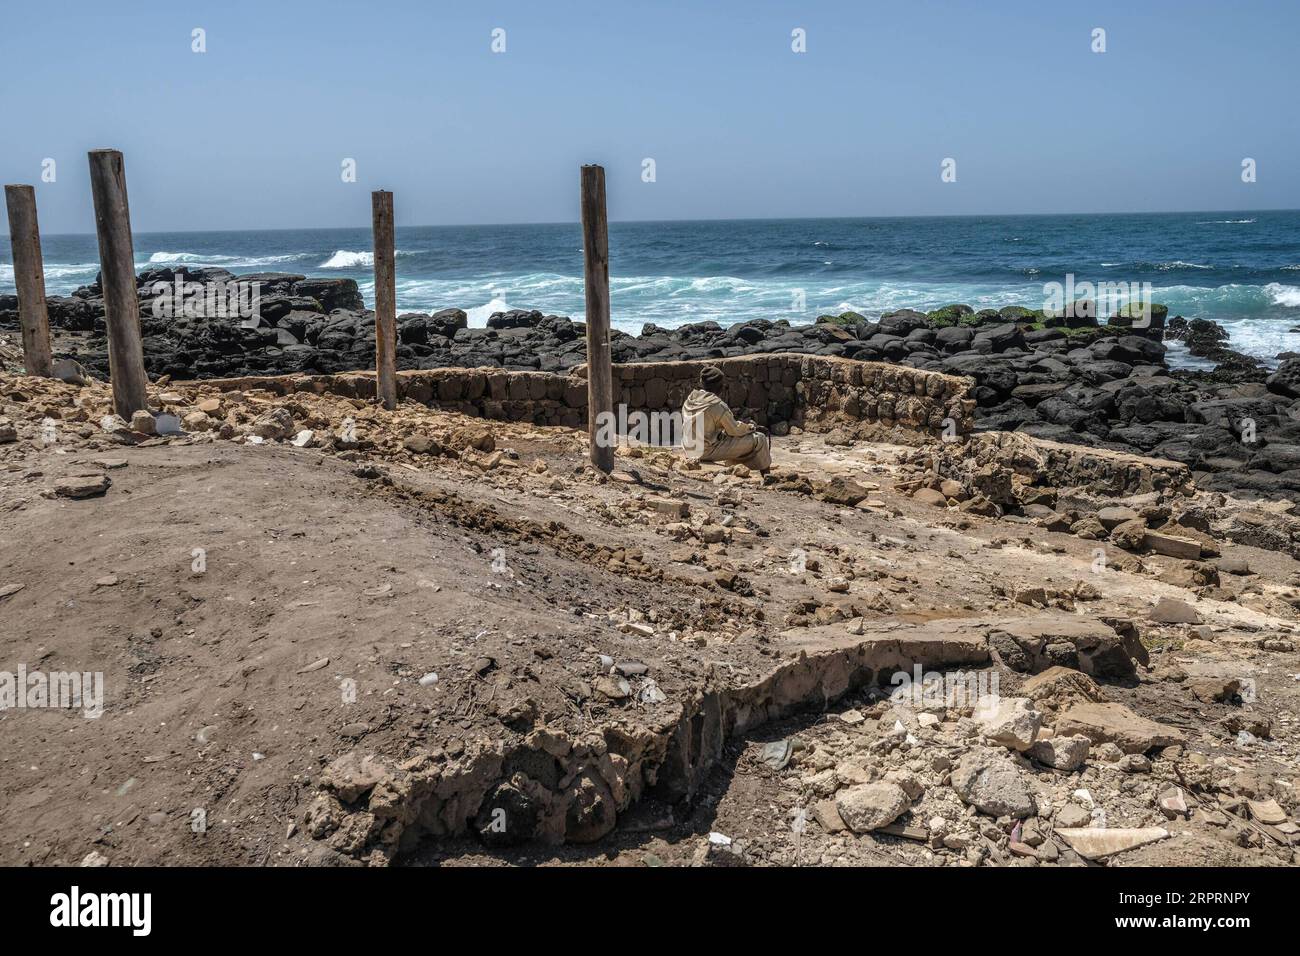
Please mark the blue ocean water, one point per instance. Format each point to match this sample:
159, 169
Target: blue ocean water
1240, 269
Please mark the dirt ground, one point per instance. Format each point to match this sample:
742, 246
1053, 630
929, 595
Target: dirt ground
259, 610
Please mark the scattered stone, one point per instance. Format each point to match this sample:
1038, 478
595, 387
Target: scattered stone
928, 496
1209, 689
421, 444
668, 506
614, 688
842, 491
275, 425
1236, 566
869, 806
1115, 515
1072, 815
1009, 721
82, 486
142, 421
1130, 535
1062, 753
1267, 811
992, 783
826, 814
1173, 803
70, 371
1173, 611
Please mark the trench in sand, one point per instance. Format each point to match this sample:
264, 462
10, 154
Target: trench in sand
541, 784
556, 787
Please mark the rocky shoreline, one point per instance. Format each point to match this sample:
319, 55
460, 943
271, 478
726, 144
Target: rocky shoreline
1071, 376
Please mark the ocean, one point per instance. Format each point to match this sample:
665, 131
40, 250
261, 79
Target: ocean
1239, 269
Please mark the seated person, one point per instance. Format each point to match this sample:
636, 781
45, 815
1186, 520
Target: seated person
711, 432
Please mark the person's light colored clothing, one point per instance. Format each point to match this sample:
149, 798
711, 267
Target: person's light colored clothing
711, 433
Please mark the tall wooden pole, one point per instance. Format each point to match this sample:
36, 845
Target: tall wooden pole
29, 277
117, 275
385, 298
600, 373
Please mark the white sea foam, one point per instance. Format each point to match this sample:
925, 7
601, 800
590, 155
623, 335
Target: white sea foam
1284, 295
479, 314
212, 259
164, 257
57, 275
1224, 222
346, 259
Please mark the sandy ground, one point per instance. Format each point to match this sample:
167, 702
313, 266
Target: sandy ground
260, 610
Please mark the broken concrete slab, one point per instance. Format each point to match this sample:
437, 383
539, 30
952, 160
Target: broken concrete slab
1097, 843
1172, 546
1035, 643
1115, 723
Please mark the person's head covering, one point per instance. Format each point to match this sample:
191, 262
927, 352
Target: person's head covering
711, 377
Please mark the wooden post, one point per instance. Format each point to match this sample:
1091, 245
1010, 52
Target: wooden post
381, 203
29, 277
600, 373
117, 275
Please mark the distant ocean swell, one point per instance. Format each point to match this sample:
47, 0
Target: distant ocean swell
1255, 315
1239, 269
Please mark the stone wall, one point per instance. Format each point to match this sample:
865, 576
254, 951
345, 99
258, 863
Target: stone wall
1024, 461
868, 399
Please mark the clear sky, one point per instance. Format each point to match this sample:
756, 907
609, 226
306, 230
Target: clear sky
253, 132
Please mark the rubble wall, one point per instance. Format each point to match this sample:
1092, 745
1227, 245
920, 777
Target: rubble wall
818, 393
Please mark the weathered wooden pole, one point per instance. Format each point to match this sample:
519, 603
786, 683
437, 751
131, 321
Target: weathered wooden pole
385, 299
117, 276
600, 373
29, 277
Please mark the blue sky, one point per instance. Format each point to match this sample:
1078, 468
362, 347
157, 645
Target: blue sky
251, 134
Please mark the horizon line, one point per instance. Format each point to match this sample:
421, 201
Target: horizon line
576, 223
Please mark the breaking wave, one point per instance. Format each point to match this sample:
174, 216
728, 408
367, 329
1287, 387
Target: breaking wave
1287, 296
343, 259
